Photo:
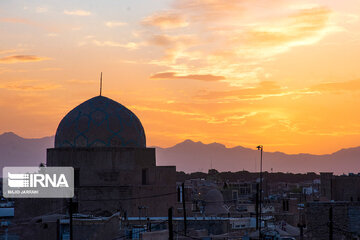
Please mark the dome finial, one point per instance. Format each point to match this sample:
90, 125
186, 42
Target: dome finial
100, 83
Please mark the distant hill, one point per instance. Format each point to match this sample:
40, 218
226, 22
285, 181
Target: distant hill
192, 156
18, 151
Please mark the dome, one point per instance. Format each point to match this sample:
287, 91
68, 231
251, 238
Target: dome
100, 122
214, 196
214, 203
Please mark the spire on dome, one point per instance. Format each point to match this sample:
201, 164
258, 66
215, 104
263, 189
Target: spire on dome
100, 83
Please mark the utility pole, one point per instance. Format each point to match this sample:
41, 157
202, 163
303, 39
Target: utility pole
171, 233
331, 223
148, 224
257, 206
71, 218
260, 147
301, 224
301, 227
184, 208
58, 232
301, 232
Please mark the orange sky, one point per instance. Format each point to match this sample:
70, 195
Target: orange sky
284, 74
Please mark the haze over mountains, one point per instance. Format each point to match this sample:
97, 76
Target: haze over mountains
192, 156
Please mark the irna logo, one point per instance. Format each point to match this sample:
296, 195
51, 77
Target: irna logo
33, 180
38, 182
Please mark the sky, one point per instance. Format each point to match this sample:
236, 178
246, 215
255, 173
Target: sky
281, 73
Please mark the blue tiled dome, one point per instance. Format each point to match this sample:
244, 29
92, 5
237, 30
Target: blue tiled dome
100, 122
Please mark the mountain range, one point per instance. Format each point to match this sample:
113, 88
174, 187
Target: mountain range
190, 156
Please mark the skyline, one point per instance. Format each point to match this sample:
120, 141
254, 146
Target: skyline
242, 73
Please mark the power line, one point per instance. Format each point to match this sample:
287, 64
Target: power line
125, 199
140, 231
18, 221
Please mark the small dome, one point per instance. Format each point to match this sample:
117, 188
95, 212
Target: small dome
214, 203
100, 122
214, 196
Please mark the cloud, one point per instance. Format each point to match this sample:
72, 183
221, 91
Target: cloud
52, 34
165, 40
264, 90
234, 38
30, 23
197, 113
7, 51
77, 12
166, 20
211, 10
174, 46
22, 58
50, 69
337, 87
174, 75
29, 85
15, 20
41, 9
301, 28
115, 24
78, 81
129, 45
184, 113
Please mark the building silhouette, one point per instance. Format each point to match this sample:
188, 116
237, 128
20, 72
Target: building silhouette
114, 171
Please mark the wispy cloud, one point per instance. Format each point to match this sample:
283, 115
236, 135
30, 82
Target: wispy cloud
29, 85
231, 39
112, 24
41, 9
301, 28
166, 20
165, 40
78, 81
28, 22
129, 45
175, 47
211, 10
263, 90
7, 51
22, 58
77, 12
15, 20
338, 87
174, 75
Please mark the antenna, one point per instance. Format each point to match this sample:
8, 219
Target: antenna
100, 83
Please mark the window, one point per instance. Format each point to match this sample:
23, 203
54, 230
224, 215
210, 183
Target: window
235, 195
145, 176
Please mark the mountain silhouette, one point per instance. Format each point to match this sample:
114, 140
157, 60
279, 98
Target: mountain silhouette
190, 156
18, 151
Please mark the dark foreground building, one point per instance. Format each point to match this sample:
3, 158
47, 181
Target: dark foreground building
114, 170
340, 188
341, 220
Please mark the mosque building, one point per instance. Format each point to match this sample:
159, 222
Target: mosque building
114, 171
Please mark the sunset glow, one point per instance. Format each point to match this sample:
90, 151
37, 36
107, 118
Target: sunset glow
284, 74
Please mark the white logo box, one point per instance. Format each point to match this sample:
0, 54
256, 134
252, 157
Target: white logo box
38, 182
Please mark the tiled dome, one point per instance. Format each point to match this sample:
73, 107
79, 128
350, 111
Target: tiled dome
100, 122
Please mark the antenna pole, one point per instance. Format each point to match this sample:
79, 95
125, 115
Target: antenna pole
100, 83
